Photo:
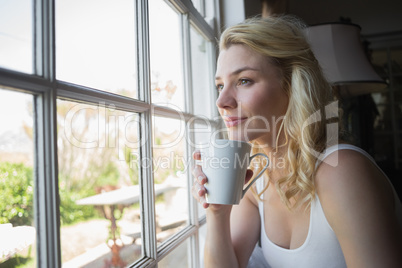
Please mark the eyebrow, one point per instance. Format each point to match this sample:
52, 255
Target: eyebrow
240, 70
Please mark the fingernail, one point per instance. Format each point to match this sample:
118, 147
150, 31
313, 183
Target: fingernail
199, 192
201, 179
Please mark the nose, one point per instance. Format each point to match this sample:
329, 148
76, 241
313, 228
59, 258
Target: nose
227, 99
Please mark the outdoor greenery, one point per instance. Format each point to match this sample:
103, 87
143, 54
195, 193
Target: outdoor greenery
83, 172
16, 199
70, 212
80, 175
18, 262
16, 204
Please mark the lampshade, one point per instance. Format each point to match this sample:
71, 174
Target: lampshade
340, 53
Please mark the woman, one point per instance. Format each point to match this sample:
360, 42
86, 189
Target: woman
319, 204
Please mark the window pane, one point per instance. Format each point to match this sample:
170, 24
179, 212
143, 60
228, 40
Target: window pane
178, 258
170, 176
95, 44
383, 147
98, 184
198, 4
202, 233
201, 133
201, 75
16, 29
166, 57
17, 227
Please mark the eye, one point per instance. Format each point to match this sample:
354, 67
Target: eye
244, 82
219, 87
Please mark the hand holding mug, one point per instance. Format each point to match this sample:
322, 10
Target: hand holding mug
224, 172
198, 190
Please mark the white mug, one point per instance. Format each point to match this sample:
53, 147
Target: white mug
225, 164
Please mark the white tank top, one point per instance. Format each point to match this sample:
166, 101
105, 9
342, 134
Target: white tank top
321, 247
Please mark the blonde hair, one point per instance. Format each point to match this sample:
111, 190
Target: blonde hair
282, 40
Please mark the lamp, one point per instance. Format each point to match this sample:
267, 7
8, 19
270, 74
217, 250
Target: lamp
339, 51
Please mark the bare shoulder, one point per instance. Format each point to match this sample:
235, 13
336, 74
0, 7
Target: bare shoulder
350, 173
358, 202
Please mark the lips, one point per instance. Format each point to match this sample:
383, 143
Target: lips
232, 121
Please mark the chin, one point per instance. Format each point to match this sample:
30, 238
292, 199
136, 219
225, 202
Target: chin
247, 137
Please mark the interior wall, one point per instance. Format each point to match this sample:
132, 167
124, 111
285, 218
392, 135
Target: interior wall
373, 16
376, 18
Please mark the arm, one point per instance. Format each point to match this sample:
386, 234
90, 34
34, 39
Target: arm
232, 234
358, 203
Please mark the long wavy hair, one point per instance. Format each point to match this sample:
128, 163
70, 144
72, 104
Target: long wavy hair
283, 40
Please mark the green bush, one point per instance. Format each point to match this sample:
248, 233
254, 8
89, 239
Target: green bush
70, 212
72, 190
16, 198
17, 194
18, 262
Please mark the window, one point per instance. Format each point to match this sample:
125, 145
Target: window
170, 162
200, 76
95, 44
105, 101
98, 183
16, 42
166, 68
388, 106
17, 184
199, 5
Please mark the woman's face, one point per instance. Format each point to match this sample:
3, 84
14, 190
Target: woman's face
251, 100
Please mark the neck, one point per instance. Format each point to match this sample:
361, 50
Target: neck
277, 158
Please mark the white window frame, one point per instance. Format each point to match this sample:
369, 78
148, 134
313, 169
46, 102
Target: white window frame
46, 90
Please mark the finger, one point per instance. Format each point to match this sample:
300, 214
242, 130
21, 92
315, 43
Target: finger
198, 192
249, 175
199, 175
194, 192
197, 155
203, 202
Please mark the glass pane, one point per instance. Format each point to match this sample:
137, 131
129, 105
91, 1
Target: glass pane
17, 226
399, 148
98, 184
380, 98
16, 31
170, 176
201, 131
202, 233
383, 148
201, 75
383, 119
178, 258
379, 60
398, 117
166, 56
95, 44
396, 65
198, 5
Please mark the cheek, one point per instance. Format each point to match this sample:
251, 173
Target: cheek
270, 104
262, 101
